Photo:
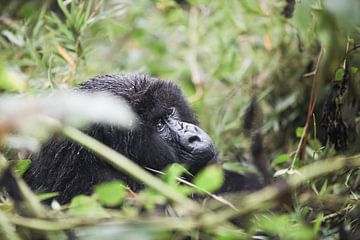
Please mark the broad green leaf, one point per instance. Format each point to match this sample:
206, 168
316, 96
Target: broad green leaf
210, 179
111, 193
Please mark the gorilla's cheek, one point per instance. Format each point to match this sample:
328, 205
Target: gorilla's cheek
156, 153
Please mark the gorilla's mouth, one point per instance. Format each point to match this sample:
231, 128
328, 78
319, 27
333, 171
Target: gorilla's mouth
198, 158
203, 150
207, 153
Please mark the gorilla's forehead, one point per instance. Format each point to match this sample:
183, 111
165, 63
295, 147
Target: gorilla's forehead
149, 97
154, 99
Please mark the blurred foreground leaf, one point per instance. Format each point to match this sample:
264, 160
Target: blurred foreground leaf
33, 116
85, 206
210, 179
284, 227
111, 193
11, 80
119, 231
281, 159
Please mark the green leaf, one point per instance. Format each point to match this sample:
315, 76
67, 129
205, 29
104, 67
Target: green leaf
85, 206
151, 198
354, 70
22, 166
111, 193
339, 74
284, 226
303, 20
281, 158
173, 172
11, 80
45, 196
210, 179
342, 10
317, 222
299, 132
63, 8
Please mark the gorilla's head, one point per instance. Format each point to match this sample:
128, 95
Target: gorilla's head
167, 130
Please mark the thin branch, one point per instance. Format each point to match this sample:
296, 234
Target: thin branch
7, 231
311, 107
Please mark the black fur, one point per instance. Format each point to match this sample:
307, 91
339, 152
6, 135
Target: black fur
70, 169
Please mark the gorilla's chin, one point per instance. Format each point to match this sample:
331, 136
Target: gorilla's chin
205, 152
201, 159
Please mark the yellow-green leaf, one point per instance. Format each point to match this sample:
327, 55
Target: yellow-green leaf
111, 193
22, 166
210, 179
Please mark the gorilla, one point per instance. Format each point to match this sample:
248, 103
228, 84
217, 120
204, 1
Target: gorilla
167, 132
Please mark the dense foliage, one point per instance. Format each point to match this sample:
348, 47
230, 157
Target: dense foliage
275, 83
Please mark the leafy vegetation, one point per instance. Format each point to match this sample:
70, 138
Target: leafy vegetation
275, 83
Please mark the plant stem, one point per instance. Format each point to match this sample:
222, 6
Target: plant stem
7, 231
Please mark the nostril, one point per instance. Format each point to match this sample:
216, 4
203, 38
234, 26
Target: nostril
194, 139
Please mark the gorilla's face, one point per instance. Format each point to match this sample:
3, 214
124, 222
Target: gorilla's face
192, 145
168, 131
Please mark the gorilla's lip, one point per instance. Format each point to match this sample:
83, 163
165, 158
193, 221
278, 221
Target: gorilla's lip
198, 162
204, 154
208, 152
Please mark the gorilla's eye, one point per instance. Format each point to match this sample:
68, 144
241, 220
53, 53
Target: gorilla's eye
170, 112
160, 125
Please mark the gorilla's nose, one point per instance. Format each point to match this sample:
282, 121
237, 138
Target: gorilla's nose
196, 141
